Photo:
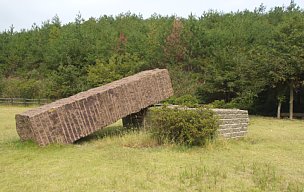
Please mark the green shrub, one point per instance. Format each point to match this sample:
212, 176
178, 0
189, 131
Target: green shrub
218, 104
221, 104
185, 100
24, 88
181, 126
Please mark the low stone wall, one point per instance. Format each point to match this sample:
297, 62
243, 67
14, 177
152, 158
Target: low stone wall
67, 120
233, 123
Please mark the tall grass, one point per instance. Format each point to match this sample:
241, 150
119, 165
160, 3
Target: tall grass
270, 158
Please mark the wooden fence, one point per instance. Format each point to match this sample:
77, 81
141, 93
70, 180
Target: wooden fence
295, 115
23, 101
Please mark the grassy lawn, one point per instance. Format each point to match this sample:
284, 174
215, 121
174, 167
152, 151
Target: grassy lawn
270, 158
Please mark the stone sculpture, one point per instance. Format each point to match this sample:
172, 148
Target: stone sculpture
69, 119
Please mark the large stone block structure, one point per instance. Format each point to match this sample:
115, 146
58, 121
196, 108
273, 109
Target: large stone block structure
68, 119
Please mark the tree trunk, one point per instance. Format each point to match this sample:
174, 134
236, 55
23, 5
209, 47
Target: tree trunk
291, 101
279, 110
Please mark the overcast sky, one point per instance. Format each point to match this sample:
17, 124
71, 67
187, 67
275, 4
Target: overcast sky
23, 13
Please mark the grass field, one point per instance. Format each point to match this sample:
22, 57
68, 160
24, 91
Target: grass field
270, 158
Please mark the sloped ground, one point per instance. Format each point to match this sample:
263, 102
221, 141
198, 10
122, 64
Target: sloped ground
270, 158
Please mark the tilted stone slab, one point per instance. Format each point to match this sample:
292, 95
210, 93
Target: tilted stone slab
67, 120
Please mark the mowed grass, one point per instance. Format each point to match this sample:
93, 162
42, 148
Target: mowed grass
270, 158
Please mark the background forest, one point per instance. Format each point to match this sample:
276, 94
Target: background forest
248, 59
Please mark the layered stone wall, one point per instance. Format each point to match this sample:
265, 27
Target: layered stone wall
67, 120
233, 123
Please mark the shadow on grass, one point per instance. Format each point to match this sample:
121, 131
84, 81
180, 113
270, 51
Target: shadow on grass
112, 131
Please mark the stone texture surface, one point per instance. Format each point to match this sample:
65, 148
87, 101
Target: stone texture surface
233, 123
69, 119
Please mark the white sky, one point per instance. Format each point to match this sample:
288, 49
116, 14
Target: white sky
23, 13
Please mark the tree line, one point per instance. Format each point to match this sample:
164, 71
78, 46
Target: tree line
247, 59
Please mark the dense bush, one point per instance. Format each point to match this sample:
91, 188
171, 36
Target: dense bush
218, 104
185, 127
22, 88
185, 100
236, 103
221, 104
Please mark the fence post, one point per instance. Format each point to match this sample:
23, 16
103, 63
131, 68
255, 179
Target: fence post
23, 101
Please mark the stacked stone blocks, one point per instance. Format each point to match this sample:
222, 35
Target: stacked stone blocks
233, 123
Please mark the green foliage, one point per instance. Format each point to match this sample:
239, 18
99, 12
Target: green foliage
184, 82
182, 126
236, 57
221, 104
66, 81
185, 100
245, 102
118, 66
100, 74
10, 88
1, 86
218, 104
22, 88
